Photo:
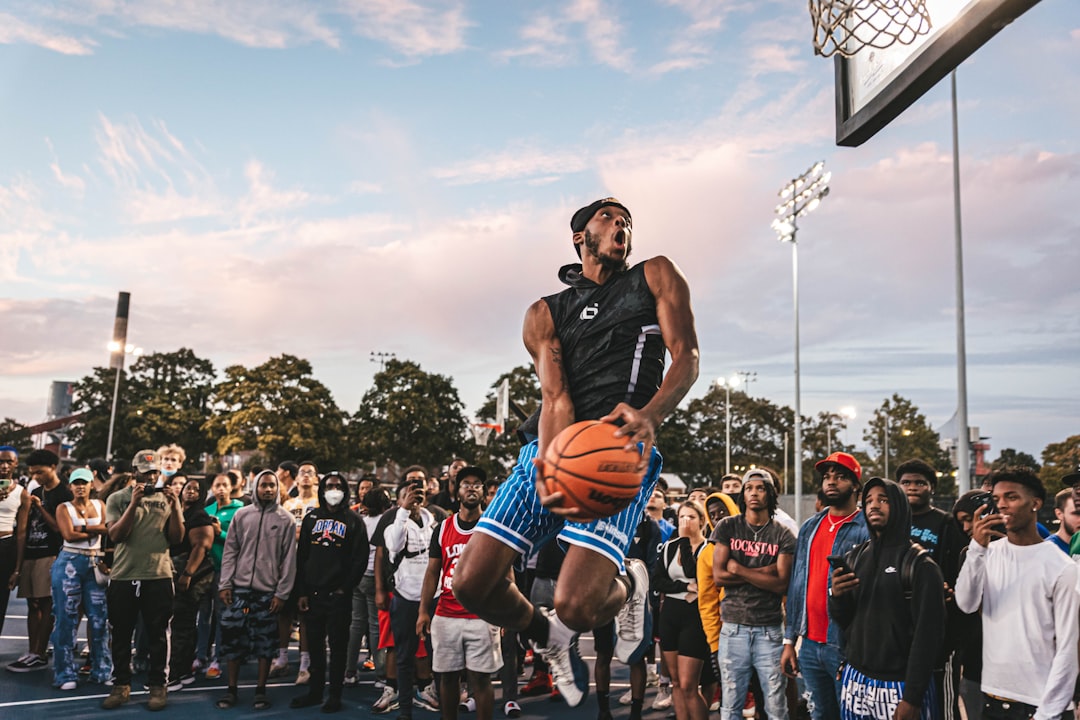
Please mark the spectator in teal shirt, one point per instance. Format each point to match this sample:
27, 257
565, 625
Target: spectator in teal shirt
221, 509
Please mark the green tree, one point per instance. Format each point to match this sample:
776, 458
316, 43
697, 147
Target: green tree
163, 398
500, 454
410, 416
1059, 459
1010, 457
693, 438
909, 436
280, 410
16, 435
93, 396
171, 400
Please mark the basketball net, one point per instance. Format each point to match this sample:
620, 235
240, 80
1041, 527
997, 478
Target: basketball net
482, 432
848, 26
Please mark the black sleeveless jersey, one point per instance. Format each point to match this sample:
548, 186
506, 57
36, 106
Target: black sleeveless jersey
612, 348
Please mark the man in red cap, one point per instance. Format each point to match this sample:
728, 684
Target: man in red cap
835, 530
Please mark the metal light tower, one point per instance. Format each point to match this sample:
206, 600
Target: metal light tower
727, 384
798, 198
120, 348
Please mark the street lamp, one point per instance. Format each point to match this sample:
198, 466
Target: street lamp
727, 384
848, 413
799, 197
119, 352
885, 445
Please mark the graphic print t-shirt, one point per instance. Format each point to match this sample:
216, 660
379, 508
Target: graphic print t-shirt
746, 604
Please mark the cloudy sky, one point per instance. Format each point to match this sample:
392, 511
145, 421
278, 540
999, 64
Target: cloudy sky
332, 179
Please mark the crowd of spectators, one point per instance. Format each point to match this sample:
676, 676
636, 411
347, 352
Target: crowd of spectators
880, 605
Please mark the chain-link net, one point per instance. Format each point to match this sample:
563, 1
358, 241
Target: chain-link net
848, 26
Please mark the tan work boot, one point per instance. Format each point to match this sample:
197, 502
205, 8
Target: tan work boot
119, 695
158, 694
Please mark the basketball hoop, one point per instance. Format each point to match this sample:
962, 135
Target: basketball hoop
848, 26
482, 432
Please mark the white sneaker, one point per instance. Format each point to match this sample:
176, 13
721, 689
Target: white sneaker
568, 670
428, 698
652, 679
626, 698
511, 709
69, 685
663, 698
633, 624
468, 706
387, 701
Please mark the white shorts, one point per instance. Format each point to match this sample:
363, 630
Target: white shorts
464, 644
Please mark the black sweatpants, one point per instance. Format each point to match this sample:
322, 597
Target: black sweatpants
328, 617
152, 600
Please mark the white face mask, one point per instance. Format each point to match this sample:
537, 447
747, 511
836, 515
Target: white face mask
333, 497
168, 473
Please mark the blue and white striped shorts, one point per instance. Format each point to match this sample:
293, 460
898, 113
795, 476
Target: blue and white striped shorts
864, 698
516, 518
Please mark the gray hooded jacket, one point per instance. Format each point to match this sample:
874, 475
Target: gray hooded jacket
260, 549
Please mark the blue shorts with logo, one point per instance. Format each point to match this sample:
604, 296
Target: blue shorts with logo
516, 517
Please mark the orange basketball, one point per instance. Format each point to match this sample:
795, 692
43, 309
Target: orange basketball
591, 468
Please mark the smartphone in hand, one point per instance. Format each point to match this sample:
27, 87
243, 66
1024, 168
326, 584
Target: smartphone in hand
837, 562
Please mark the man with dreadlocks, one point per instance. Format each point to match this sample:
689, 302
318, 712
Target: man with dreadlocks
752, 562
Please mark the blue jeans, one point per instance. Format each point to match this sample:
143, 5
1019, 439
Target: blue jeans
74, 586
819, 664
750, 647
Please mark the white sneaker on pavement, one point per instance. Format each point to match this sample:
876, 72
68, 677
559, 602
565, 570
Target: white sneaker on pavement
568, 670
663, 698
633, 624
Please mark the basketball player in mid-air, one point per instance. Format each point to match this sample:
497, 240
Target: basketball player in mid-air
598, 348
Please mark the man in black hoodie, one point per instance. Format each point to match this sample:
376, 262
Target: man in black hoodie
892, 610
330, 562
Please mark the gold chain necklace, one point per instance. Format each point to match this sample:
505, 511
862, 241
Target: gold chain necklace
841, 521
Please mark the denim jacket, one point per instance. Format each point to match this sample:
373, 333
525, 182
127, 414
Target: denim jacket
848, 536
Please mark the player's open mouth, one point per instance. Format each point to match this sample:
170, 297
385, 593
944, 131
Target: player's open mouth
620, 238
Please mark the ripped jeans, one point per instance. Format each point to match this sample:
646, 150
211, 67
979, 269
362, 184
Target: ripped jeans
74, 586
750, 647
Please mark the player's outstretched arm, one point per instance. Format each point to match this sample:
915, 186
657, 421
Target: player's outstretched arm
676, 319
557, 407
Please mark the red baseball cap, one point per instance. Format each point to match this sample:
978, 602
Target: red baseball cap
844, 460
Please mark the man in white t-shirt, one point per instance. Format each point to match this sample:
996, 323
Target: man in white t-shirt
1027, 591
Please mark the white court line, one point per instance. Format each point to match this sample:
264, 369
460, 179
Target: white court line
14, 637
134, 693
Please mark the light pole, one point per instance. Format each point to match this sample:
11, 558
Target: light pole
885, 444
382, 358
799, 197
118, 351
727, 384
963, 435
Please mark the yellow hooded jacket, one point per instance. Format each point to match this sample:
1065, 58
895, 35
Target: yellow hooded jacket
709, 596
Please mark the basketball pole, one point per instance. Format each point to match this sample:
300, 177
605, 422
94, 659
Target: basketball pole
963, 435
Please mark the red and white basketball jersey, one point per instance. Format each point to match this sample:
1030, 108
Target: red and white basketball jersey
452, 540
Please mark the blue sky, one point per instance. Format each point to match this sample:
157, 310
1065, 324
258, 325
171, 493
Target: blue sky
335, 178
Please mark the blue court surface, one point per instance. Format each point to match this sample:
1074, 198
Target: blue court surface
32, 696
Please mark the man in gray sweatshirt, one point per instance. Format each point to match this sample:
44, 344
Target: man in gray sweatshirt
258, 567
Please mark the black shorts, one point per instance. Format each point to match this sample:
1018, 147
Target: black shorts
680, 629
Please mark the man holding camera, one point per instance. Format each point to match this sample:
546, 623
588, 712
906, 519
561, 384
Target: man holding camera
407, 539
143, 520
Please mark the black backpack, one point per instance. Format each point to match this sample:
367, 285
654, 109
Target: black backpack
912, 555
